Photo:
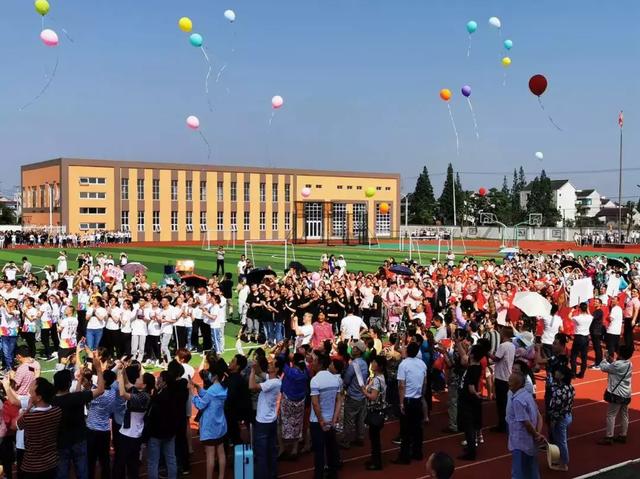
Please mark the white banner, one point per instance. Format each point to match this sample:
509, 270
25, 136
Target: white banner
581, 291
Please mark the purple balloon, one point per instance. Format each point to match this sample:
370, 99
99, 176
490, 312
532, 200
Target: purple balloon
466, 91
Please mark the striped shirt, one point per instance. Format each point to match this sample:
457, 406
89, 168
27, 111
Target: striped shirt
327, 387
100, 411
41, 438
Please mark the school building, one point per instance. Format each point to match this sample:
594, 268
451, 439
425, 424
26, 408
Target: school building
181, 202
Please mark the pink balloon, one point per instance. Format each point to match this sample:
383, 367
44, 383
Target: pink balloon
315, 276
49, 38
193, 122
277, 102
306, 192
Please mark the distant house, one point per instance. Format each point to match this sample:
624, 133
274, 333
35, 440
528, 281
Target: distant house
8, 202
564, 198
609, 215
588, 203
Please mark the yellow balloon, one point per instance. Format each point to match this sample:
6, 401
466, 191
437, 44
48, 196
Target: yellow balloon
506, 61
42, 7
185, 24
370, 192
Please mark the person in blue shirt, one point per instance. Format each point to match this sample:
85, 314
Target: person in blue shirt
213, 425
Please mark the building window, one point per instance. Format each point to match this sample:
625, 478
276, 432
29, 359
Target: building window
274, 221
156, 221
203, 221
124, 220
247, 191
234, 191
247, 221
287, 192
263, 221
203, 191
93, 211
359, 218
92, 226
387, 188
155, 190
339, 187
378, 188
349, 187
383, 222
274, 192
358, 187
339, 221
140, 220
174, 190
92, 195
318, 187
189, 190
43, 196
140, 188
287, 221
263, 192
220, 191
189, 221
220, 221
174, 221
90, 180
234, 221
124, 188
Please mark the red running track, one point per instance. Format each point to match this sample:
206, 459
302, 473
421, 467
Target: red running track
493, 457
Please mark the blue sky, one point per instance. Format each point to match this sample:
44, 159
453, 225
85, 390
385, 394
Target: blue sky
360, 79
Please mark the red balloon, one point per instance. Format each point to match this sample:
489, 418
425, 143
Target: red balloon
537, 84
482, 191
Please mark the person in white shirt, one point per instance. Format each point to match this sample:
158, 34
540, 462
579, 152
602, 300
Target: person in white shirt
304, 333
240, 267
128, 314
169, 316
243, 293
112, 339
265, 444
582, 324
614, 330
214, 318
503, 358
68, 329
139, 331
352, 326
62, 263
552, 326
412, 378
154, 330
96, 321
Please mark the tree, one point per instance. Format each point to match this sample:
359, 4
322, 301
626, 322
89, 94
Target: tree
541, 200
445, 202
7, 216
517, 212
422, 206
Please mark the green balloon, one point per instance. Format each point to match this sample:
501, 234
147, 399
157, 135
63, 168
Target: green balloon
196, 40
42, 7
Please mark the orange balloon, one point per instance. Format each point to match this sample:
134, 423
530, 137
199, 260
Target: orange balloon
445, 94
384, 208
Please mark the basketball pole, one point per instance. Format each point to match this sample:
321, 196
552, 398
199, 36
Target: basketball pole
620, 123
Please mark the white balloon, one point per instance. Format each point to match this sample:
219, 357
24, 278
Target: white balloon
230, 15
495, 22
539, 155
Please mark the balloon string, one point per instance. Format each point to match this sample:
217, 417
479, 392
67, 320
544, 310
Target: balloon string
455, 130
44, 88
206, 82
473, 115
273, 113
207, 143
548, 116
469, 48
224, 67
66, 34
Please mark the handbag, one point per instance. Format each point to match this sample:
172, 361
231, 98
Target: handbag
613, 398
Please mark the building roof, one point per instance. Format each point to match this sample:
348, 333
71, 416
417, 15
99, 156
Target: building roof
555, 185
584, 193
612, 212
205, 167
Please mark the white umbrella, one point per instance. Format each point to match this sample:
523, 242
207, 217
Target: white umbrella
509, 251
532, 304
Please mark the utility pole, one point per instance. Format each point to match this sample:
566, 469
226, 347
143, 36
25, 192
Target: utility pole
453, 186
620, 124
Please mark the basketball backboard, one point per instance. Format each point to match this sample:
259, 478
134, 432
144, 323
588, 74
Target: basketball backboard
535, 219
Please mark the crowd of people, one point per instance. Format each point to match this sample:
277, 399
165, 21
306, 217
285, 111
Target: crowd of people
340, 354
42, 237
596, 238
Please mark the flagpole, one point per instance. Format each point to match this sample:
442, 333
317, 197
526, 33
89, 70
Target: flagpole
621, 123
